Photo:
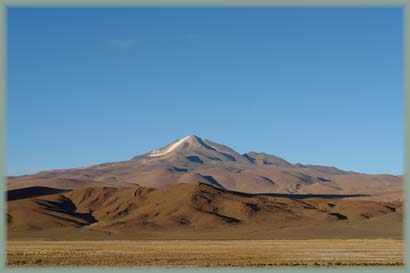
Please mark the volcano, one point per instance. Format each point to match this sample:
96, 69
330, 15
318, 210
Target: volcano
193, 159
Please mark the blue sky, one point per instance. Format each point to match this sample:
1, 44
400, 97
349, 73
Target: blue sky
312, 85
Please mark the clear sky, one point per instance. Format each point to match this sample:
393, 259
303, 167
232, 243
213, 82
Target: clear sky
311, 85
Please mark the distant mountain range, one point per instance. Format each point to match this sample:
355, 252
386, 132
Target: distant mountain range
198, 189
192, 159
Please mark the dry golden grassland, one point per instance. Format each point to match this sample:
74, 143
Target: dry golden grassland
206, 253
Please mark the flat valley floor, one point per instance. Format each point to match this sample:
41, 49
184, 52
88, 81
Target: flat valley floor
207, 253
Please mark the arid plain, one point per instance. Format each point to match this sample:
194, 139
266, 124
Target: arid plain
207, 253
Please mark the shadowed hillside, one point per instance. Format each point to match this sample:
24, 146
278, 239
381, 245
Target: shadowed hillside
198, 210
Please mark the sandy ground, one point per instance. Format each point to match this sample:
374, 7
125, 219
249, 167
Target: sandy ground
206, 253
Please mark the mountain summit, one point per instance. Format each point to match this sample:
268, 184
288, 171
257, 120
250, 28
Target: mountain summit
188, 141
192, 159
197, 150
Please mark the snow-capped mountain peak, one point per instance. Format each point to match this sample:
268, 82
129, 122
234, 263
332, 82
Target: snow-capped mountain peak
169, 148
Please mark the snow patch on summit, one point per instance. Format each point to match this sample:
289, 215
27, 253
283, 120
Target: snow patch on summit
170, 148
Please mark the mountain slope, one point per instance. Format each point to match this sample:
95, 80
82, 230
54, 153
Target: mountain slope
192, 159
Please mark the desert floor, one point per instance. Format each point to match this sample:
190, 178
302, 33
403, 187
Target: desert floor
206, 252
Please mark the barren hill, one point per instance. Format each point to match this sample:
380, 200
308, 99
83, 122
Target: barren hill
196, 211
